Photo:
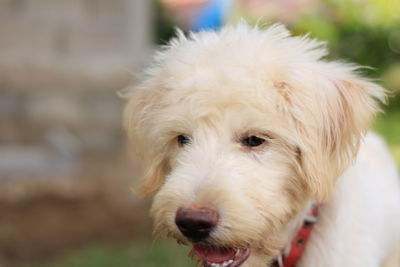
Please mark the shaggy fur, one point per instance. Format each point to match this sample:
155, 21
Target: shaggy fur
219, 88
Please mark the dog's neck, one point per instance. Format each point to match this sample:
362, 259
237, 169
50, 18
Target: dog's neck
298, 234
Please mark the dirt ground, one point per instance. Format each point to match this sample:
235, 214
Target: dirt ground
43, 218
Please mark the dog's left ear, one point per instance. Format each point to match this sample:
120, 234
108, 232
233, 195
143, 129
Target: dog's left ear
337, 108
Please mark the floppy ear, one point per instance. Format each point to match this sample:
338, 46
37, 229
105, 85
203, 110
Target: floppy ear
137, 125
153, 175
338, 108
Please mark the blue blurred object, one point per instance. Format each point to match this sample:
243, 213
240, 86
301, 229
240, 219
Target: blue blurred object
211, 16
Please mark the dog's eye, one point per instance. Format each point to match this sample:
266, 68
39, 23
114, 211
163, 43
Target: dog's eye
253, 141
182, 140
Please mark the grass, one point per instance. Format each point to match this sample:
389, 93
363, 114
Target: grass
161, 253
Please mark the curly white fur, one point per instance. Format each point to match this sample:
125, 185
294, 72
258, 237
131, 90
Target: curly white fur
217, 88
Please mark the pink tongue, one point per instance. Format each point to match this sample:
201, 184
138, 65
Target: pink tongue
213, 254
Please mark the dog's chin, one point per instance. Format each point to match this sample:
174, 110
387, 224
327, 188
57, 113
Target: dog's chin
214, 256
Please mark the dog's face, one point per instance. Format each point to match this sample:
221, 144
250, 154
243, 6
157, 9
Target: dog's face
238, 132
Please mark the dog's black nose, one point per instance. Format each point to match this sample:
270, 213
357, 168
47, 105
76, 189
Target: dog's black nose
196, 223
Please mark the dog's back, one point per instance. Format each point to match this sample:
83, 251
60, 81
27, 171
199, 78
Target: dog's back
383, 170
363, 217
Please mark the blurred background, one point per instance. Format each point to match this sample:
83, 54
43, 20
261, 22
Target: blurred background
65, 175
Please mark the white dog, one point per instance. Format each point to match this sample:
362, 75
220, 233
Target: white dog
244, 132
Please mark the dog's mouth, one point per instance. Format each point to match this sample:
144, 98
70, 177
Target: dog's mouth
212, 256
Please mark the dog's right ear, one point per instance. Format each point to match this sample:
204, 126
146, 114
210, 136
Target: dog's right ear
152, 160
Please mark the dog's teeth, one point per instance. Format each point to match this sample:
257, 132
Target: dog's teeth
226, 263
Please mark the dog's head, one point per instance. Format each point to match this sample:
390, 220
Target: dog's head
238, 131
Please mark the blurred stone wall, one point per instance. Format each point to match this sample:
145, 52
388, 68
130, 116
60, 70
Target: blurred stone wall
62, 63
62, 150
58, 43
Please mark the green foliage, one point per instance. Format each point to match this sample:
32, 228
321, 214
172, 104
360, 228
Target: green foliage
388, 125
163, 24
364, 32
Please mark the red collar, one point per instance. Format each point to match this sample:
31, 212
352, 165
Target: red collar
299, 242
